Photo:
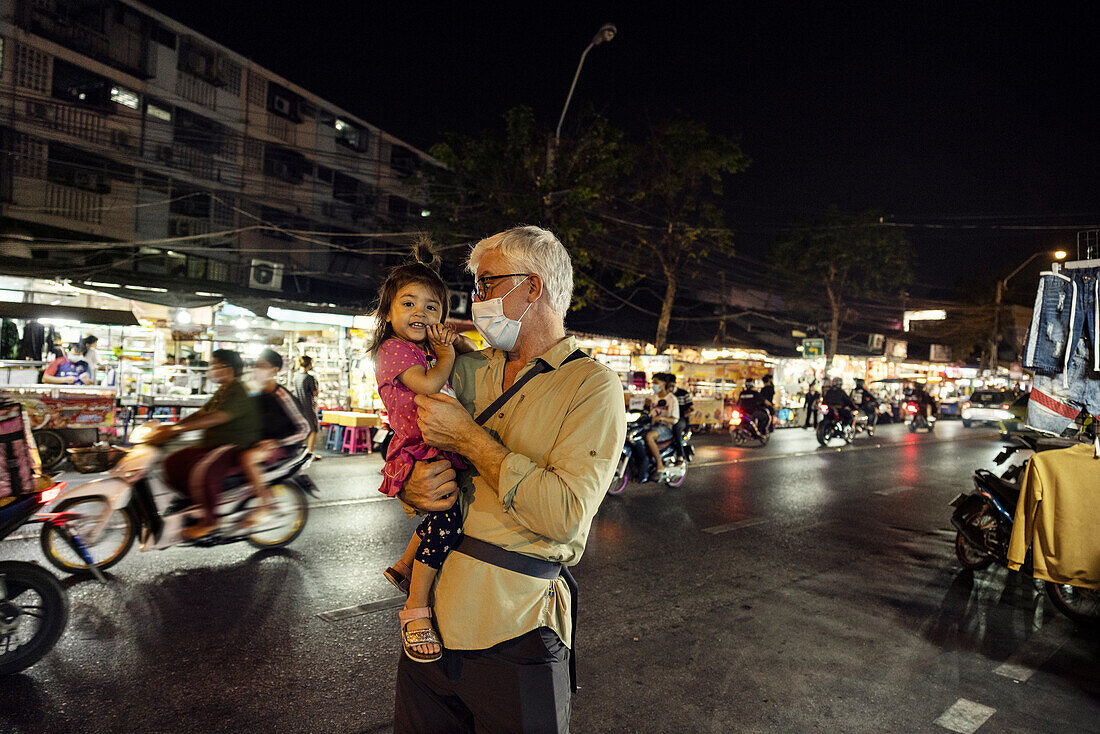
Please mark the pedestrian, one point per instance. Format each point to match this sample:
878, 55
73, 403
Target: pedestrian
91, 354
813, 398
306, 391
554, 427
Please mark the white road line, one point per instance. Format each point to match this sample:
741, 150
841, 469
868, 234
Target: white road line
1034, 653
339, 615
833, 450
357, 501
893, 490
716, 529
965, 717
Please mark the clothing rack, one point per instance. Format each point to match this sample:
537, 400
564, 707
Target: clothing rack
1090, 240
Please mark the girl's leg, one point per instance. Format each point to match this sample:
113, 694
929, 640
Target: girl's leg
311, 441
410, 552
420, 587
438, 534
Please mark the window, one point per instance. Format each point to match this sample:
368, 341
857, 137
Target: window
158, 112
349, 134
78, 169
285, 165
124, 97
403, 161
73, 84
257, 89
32, 69
324, 174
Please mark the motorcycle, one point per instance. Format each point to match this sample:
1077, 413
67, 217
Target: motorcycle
109, 514
34, 606
832, 426
635, 463
917, 418
983, 521
743, 428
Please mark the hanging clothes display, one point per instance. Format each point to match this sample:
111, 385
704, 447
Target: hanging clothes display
1061, 348
9, 339
1056, 517
33, 343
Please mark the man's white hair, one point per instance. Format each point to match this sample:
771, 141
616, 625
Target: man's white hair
533, 250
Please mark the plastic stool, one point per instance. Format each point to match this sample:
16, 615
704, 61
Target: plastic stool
335, 435
356, 439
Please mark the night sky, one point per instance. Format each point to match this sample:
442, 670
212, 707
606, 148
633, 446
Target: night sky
976, 117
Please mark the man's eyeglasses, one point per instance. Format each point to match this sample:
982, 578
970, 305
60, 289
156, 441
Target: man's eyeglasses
484, 284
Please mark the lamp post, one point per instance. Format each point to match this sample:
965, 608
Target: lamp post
606, 32
994, 336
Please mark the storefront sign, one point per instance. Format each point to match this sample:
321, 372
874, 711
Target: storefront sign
657, 362
939, 353
897, 349
615, 362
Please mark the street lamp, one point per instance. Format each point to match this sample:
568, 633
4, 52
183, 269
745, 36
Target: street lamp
606, 32
1001, 285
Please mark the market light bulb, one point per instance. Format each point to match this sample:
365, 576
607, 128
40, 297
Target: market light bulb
183, 317
1060, 254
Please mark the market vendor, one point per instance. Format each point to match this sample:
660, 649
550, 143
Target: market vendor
70, 369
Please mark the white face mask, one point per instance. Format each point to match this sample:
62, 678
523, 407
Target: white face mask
499, 331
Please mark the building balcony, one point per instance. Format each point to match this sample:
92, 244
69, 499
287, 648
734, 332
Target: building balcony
119, 47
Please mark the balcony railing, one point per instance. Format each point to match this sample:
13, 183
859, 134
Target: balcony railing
72, 203
123, 48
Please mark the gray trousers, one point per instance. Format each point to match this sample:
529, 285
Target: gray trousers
520, 685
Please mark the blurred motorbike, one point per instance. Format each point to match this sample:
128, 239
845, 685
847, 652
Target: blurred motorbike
917, 418
34, 606
109, 514
743, 428
635, 463
833, 426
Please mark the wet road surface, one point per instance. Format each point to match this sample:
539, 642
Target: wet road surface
780, 589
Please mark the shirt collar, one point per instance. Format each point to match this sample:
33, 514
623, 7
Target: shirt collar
554, 356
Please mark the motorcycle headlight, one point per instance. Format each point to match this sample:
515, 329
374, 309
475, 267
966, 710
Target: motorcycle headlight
144, 432
135, 464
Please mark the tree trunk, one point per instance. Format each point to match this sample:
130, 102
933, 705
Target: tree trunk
836, 308
666, 310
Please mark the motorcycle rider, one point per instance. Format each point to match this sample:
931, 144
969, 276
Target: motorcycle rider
666, 412
230, 423
751, 403
926, 404
836, 398
866, 402
767, 394
282, 427
686, 406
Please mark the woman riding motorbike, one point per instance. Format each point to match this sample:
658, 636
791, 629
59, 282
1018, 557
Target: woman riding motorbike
666, 412
229, 422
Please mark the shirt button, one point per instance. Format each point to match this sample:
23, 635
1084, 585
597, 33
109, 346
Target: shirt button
591, 453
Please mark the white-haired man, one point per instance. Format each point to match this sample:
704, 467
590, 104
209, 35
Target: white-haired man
504, 599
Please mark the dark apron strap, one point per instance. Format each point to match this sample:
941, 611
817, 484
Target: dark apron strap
538, 368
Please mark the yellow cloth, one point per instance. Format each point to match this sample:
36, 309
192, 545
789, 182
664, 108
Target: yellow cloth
566, 430
1058, 516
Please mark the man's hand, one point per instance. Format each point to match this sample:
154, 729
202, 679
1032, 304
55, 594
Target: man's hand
68, 379
431, 486
444, 423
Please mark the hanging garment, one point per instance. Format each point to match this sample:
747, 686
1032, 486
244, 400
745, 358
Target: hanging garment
1056, 517
9, 339
33, 343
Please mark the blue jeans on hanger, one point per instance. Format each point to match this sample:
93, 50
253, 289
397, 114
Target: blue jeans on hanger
1067, 307
1056, 400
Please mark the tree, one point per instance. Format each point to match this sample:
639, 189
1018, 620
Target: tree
837, 258
673, 212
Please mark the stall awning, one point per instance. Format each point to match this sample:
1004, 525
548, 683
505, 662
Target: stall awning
94, 316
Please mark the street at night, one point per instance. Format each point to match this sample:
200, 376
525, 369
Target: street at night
780, 589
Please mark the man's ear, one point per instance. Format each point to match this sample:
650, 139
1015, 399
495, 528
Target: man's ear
536, 288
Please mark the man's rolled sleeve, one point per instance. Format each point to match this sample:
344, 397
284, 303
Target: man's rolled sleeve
558, 500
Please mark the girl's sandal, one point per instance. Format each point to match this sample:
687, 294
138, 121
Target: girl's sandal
398, 575
411, 638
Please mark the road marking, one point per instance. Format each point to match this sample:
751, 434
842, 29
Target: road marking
342, 503
893, 490
965, 717
832, 450
715, 530
339, 615
1034, 653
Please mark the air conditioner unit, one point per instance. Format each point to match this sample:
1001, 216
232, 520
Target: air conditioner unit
84, 180
265, 275
179, 227
459, 302
281, 105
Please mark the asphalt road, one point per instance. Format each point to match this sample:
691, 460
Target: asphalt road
780, 589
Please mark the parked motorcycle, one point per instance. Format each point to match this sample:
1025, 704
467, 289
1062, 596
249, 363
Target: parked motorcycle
983, 521
918, 419
109, 514
34, 606
635, 463
743, 428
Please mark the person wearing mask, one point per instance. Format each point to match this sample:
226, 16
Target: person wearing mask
683, 397
867, 403
230, 424
767, 394
306, 391
666, 413
751, 403
68, 369
813, 398
282, 427
91, 354
836, 398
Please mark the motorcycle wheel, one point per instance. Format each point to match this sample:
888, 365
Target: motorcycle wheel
822, 433
51, 449
621, 478
738, 437
1080, 605
292, 508
849, 434
31, 600
113, 544
970, 557
675, 475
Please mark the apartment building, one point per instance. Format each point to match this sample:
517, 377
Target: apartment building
134, 150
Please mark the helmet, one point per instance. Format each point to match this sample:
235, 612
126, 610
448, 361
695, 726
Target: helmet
859, 382
838, 382
750, 382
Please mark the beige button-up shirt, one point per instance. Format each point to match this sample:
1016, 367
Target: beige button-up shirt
565, 430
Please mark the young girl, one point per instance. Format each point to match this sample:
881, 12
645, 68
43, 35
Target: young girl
414, 353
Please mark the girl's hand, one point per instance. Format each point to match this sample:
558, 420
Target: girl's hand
441, 335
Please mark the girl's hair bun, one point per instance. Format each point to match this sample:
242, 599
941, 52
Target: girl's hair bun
424, 253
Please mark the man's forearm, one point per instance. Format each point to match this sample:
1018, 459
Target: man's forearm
486, 455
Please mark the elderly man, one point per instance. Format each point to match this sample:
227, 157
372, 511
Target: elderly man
542, 462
